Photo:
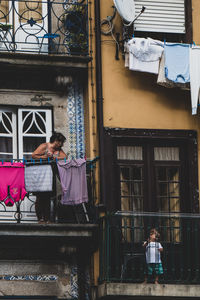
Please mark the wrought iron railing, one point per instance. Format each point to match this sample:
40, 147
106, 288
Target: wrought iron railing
44, 27
23, 211
123, 257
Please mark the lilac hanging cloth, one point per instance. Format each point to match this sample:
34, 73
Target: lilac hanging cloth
73, 181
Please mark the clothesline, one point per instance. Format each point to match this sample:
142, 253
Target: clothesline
165, 42
176, 64
41, 161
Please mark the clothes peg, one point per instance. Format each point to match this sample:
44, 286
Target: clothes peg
48, 160
65, 159
40, 160
193, 43
56, 160
11, 162
33, 161
2, 162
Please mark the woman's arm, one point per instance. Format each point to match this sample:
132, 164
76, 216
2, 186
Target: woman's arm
40, 152
62, 154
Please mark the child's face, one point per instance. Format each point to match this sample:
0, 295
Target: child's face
153, 236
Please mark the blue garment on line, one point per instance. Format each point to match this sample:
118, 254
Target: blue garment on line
177, 63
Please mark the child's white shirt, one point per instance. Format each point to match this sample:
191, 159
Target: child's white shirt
153, 253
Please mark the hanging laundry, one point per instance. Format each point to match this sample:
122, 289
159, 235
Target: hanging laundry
163, 81
73, 181
126, 53
144, 54
39, 178
177, 62
12, 187
194, 77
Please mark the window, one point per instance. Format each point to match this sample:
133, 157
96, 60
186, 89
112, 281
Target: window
153, 170
164, 19
22, 130
150, 177
161, 16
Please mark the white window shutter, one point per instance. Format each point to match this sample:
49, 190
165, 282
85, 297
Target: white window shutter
161, 16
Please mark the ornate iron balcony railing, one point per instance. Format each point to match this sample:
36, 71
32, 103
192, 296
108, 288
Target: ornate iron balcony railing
44, 27
23, 211
123, 257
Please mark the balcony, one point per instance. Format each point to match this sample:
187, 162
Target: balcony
44, 27
122, 256
23, 211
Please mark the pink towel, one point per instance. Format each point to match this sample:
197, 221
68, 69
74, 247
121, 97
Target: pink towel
12, 174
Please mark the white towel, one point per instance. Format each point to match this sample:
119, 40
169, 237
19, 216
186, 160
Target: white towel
195, 78
144, 55
38, 178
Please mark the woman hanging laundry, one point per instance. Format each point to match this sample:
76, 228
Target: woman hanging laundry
52, 150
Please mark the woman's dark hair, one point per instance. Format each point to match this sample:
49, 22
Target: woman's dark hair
57, 136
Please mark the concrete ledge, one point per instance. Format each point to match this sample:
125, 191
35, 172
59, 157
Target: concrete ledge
34, 229
117, 290
27, 59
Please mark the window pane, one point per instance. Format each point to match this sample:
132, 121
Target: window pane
6, 156
6, 144
129, 153
175, 205
166, 153
124, 173
31, 143
125, 204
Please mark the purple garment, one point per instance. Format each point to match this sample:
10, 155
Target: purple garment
73, 181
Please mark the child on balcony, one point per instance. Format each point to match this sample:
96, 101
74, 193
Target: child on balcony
153, 257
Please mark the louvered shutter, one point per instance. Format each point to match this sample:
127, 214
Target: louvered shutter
161, 16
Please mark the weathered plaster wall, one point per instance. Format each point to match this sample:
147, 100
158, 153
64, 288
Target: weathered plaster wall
57, 102
38, 278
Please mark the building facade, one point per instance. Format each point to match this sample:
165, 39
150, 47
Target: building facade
62, 68
149, 141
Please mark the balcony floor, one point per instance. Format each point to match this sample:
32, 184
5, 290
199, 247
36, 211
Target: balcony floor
144, 291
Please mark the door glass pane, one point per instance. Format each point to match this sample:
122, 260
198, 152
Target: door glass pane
168, 200
8, 145
34, 122
35, 128
166, 153
168, 189
129, 153
4, 11
28, 10
131, 188
31, 143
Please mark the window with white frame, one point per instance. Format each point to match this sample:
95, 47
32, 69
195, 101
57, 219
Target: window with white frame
22, 130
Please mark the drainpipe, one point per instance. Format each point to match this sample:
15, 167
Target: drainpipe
99, 99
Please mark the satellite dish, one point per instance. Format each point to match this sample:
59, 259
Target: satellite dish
126, 9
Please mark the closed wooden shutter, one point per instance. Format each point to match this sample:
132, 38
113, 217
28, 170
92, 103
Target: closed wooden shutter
161, 16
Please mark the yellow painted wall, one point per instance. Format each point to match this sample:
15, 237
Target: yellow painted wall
133, 99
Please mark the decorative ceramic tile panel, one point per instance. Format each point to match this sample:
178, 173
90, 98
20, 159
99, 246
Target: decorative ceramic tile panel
30, 277
76, 129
